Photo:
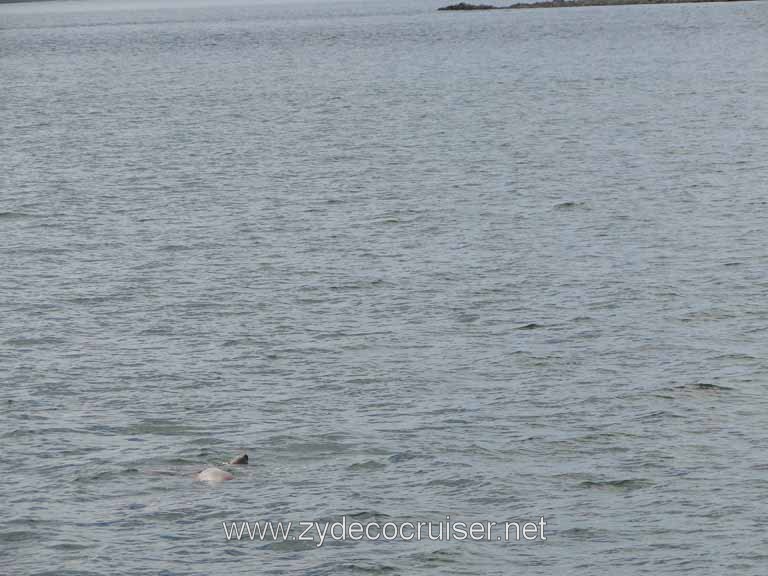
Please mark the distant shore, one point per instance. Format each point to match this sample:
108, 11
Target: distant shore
574, 4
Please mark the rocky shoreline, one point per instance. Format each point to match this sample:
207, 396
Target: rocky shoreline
574, 3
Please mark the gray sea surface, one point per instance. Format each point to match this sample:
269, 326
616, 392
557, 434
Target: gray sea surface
495, 265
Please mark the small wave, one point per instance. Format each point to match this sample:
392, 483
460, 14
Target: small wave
403, 457
14, 215
706, 387
585, 534
92, 300
160, 427
70, 546
287, 545
657, 415
361, 285
323, 444
59, 572
206, 441
109, 474
365, 515
156, 331
21, 341
43, 251
174, 248
19, 536
362, 567
437, 557
570, 205
367, 465
529, 326
626, 484
169, 473
735, 356
454, 482
22, 432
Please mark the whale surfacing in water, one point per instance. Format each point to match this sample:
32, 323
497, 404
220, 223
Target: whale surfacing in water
214, 475
242, 459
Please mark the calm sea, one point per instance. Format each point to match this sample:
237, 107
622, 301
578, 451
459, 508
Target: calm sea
495, 266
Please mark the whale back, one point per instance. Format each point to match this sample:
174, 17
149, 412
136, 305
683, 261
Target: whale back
214, 475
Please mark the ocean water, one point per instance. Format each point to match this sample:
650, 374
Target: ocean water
496, 266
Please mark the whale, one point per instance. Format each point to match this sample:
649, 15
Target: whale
242, 459
215, 475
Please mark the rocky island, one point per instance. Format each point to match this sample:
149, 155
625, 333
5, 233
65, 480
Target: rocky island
573, 4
